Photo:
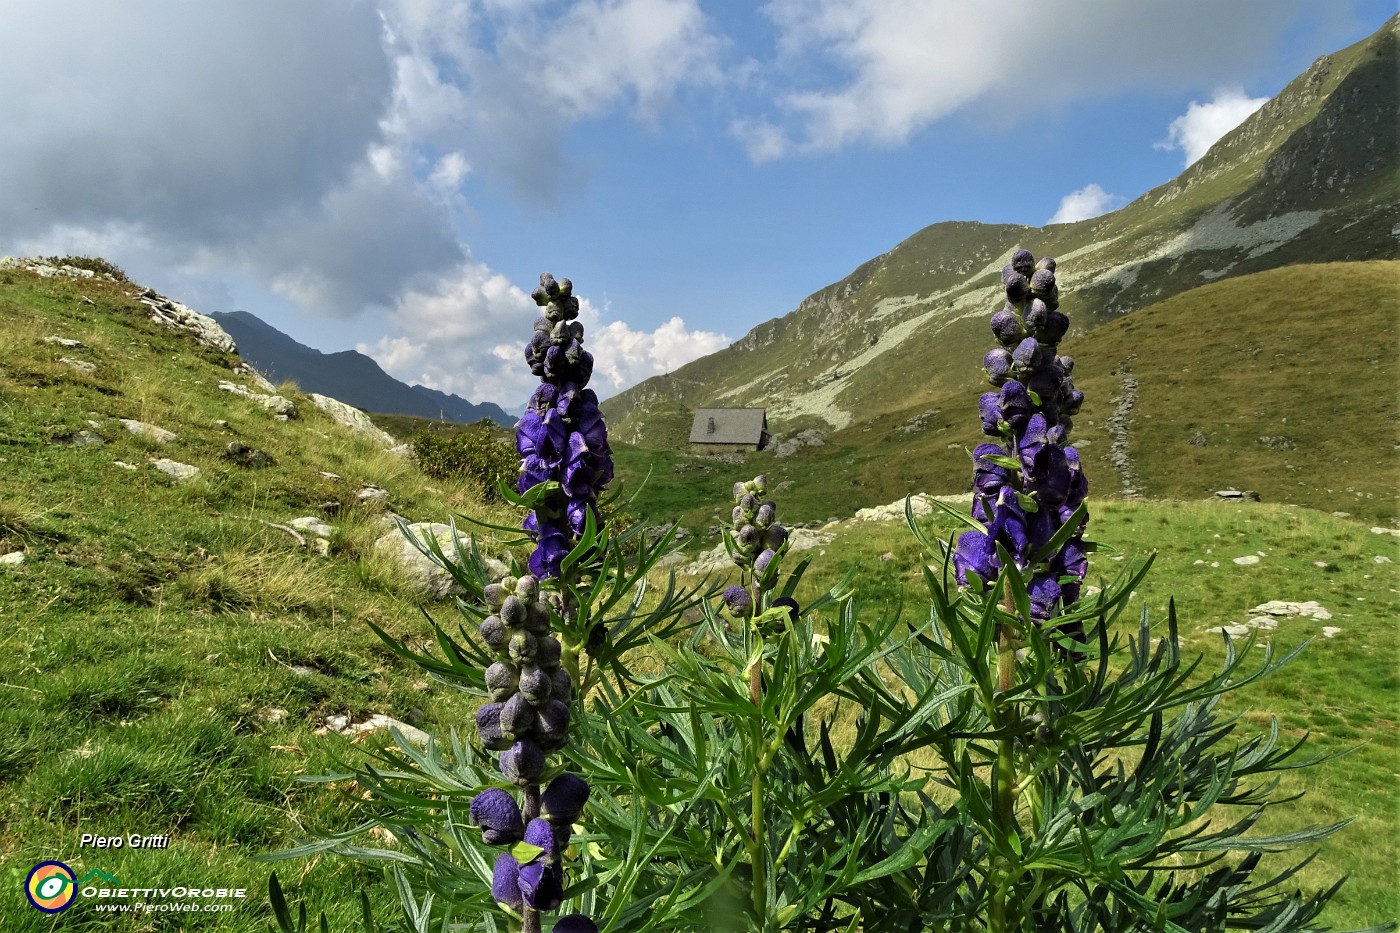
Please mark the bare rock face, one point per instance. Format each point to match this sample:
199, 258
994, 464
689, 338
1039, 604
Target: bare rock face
352, 418
280, 406
204, 329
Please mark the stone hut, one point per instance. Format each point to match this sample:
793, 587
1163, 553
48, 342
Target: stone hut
726, 430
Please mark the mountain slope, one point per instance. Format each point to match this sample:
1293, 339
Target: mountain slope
348, 375
1308, 178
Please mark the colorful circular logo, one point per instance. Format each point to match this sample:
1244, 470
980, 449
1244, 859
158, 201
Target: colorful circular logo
51, 887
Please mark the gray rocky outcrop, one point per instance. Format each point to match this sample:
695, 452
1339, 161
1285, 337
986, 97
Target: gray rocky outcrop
808, 438
352, 418
280, 406
1118, 424
422, 571
204, 329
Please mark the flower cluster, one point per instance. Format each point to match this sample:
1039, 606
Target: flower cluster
537, 880
1028, 483
561, 437
756, 536
562, 440
528, 715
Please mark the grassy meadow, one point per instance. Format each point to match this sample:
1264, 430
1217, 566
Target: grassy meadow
170, 658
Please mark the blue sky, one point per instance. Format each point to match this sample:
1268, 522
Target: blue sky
393, 175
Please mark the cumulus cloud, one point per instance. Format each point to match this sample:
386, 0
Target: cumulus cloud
1089, 201
1202, 125
877, 71
464, 334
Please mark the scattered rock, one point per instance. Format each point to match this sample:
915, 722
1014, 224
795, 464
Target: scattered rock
421, 570
326, 475
352, 418
887, 557
1307, 610
1199, 439
1385, 531
1330, 631
808, 438
12, 559
245, 456
149, 431
1247, 560
312, 526
402, 450
273, 714
181, 472
279, 405
1341, 515
124, 465
373, 493
1382, 559
918, 422
67, 342
343, 726
82, 366
80, 439
1277, 443
1237, 495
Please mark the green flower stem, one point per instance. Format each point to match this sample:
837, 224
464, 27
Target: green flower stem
531, 922
999, 919
757, 854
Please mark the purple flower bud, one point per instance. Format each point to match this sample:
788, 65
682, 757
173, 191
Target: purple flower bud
502, 680
488, 728
761, 562
1043, 281
775, 537
1044, 591
1046, 263
517, 717
498, 815
541, 835
553, 719
1055, 327
562, 685
738, 599
575, 923
528, 588
513, 612
1006, 327
563, 800
738, 515
746, 537
1036, 314
1027, 354
1023, 262
767, 513
749, 503
997, 364
494, 594
505, 882
494, 633
1017, 286
547, 652
523, 762
1066, 363
739, 491
790, 605
521, 647
535, 684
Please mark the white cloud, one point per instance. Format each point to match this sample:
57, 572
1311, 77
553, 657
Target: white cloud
466, 332
1089, 201
878, 71
1202, 125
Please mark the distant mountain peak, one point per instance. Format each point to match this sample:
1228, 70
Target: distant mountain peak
347, 375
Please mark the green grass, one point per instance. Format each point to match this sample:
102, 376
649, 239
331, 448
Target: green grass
168, 658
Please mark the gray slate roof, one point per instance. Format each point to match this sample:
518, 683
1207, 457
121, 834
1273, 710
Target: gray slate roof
729, 426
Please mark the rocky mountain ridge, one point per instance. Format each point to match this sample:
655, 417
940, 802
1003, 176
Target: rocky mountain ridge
1308, 178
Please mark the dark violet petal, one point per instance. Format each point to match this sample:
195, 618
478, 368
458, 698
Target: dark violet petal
539, 833
738, 600
505, 882
522, 762
974, 553
497, 813
575, 923
563, 800
542, 885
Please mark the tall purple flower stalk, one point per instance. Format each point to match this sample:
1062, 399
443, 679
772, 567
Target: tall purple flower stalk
1027, 482
561, 439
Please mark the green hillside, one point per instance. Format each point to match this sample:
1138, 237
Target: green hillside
1280, 382
173, 658
1309, 178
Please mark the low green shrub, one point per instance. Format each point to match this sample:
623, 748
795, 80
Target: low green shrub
474, 454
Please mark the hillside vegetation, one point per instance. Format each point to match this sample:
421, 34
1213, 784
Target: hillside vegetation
1309, 178
172, 659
